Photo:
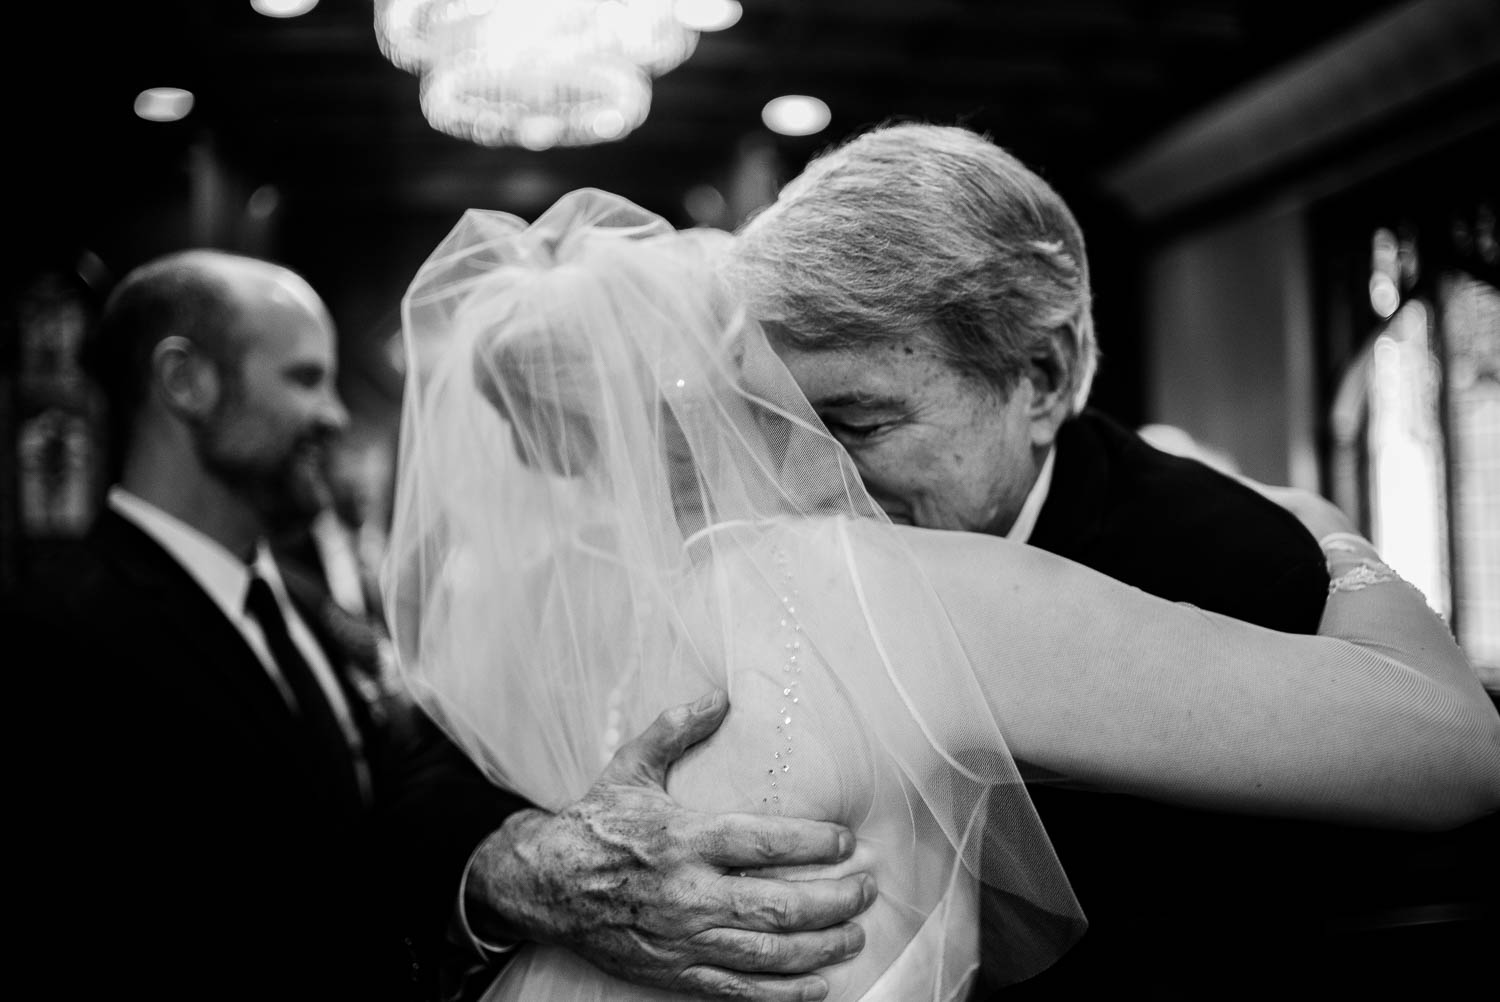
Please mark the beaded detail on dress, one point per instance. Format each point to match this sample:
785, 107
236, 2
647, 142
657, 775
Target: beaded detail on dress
780, 766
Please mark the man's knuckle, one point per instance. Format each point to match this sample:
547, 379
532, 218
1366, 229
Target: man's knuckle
670, 719
766, 952
781, 912
765, 847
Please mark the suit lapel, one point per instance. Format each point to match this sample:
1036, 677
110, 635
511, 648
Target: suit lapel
162, 589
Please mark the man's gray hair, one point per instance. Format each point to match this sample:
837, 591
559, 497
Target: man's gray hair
922, 230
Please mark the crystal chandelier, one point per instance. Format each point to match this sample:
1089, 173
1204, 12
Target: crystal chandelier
534, 73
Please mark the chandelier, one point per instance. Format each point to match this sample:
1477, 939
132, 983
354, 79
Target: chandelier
534, 73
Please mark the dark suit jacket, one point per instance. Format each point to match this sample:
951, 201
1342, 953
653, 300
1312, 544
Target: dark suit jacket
1188, 903
204, 857
1175, 528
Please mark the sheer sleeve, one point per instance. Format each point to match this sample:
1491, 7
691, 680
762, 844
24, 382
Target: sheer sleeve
1378, 720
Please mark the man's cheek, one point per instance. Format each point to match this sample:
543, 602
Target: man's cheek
875, 470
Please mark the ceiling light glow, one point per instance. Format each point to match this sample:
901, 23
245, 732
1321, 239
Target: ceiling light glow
163, 104
609, 124
540, 132
534, 73
708, 15
796, 115
283, 8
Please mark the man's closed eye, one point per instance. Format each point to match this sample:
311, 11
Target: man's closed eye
845, 431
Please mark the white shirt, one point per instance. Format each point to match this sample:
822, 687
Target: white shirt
1020, 532
226, 580
340, 562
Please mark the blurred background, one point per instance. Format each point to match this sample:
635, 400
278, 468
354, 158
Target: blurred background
1290, 207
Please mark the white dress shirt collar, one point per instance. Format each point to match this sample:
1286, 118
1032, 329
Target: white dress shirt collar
222, 575
1020, 532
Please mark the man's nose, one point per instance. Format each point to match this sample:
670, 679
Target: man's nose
333, 415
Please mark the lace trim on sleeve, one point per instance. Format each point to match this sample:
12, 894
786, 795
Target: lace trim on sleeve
1362, 575
1353, 564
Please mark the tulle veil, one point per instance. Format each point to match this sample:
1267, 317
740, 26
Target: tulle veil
589, 422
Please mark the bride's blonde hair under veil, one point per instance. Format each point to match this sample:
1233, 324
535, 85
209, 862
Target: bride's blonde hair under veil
606, 479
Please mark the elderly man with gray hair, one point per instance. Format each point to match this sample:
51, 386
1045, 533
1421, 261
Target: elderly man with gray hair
931, 296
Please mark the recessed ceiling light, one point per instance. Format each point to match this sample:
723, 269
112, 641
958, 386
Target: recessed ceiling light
283, 8
795, 115
163, 104
708, 15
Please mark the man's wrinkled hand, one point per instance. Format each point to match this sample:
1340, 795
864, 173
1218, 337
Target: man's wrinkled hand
646, 890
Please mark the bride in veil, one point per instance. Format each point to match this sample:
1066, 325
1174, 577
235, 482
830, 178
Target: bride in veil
612, 497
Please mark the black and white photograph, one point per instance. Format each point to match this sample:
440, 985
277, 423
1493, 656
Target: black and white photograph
773, 500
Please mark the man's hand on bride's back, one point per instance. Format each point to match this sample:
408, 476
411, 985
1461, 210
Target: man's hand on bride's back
646, 889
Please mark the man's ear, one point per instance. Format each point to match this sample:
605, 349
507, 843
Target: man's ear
185, 378
1052, 371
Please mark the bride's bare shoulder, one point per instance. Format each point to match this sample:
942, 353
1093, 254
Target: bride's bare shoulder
795, 541
745, 568
820, 547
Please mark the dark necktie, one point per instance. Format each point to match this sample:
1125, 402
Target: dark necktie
328, 744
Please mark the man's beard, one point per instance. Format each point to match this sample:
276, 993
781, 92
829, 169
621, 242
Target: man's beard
287, 492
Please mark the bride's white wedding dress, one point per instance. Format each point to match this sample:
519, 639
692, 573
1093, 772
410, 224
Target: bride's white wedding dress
819, 729
612, 496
